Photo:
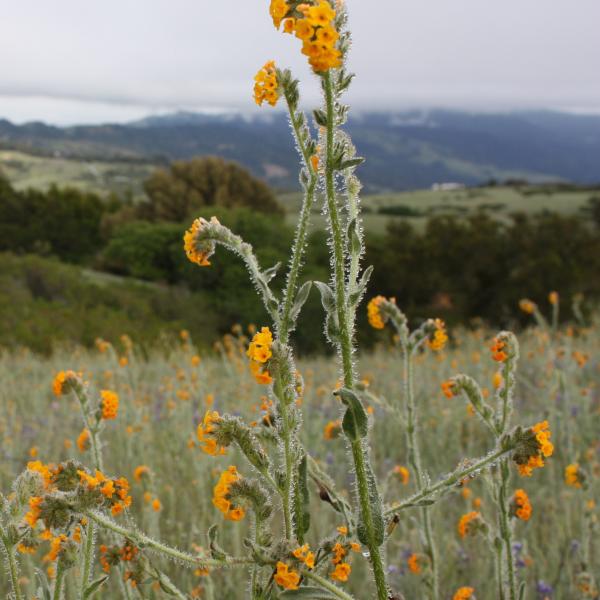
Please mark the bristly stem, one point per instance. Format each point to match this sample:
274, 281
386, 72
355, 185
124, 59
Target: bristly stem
325, 584
12, 568
288, 487
359, 452
414, 457
142, 540
303, 222
58, 583
450, 481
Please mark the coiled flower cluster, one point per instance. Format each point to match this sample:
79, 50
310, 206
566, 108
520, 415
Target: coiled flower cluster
259, 352
221, 495
265, 84
314, 24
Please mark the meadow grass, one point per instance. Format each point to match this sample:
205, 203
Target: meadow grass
163, 398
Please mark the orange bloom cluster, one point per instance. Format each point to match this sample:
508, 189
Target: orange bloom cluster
83, 440
464, 593
572, 477
545, 449
342, 569
413, 563
265, 84
553, 298
55, 548
403, 473
376, 319
35, 510
448, 388
111, 556
109, 404
116, 491
221, 495
189, 245
46, 471
332, 429
440, 337
62, 381
313, 23
285, 577
522, 507
464, 523
209, 444
497, 348
303, 554
259, 352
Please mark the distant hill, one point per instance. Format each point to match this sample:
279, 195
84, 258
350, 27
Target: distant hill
404, 150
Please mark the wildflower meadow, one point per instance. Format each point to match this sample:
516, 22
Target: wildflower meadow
446, 464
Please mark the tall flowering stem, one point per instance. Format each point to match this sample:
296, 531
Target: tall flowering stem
368, 495
409, 344
506, 351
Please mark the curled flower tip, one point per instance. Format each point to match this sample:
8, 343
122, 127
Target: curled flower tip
64, 382
448, 388
341, 572
470, 524
553, 298
222, 498
532, 446
527, 306
204, 431
266, 86
464, 593
196, 250
377, 318
521, 506
332, 430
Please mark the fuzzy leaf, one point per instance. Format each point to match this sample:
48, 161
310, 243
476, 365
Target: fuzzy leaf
351, 162
355, 422
361, 287
302, 498
327, 297
376, 512
215, 550
268, 274
301, 298
93, 587
320, 118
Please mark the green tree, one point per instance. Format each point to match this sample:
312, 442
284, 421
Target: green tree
187, 186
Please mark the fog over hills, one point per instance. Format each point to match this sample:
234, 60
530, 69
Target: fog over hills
404, 150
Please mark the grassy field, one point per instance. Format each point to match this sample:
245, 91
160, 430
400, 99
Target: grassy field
164, 396
40, 172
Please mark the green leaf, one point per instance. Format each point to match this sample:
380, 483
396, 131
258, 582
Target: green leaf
307, 593
378, 523
301, 298
320, 117
215, 550
302, 498
355, 422
327, 297
93, 587
351, 162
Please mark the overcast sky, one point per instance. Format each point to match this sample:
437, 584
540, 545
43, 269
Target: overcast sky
68, 61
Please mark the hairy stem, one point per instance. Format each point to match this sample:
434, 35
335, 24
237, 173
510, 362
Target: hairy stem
301, 229
12, 569
414, 457
505, 531
449, 482
142, 540
288, 484
359, 452
58, 584
325, 584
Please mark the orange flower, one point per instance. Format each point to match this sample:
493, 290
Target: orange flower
109, 404
376, 319
83, 440
497, 349
341, 572
403, 473
464, 524
464, 593
413, 563
521, 505
286, 578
